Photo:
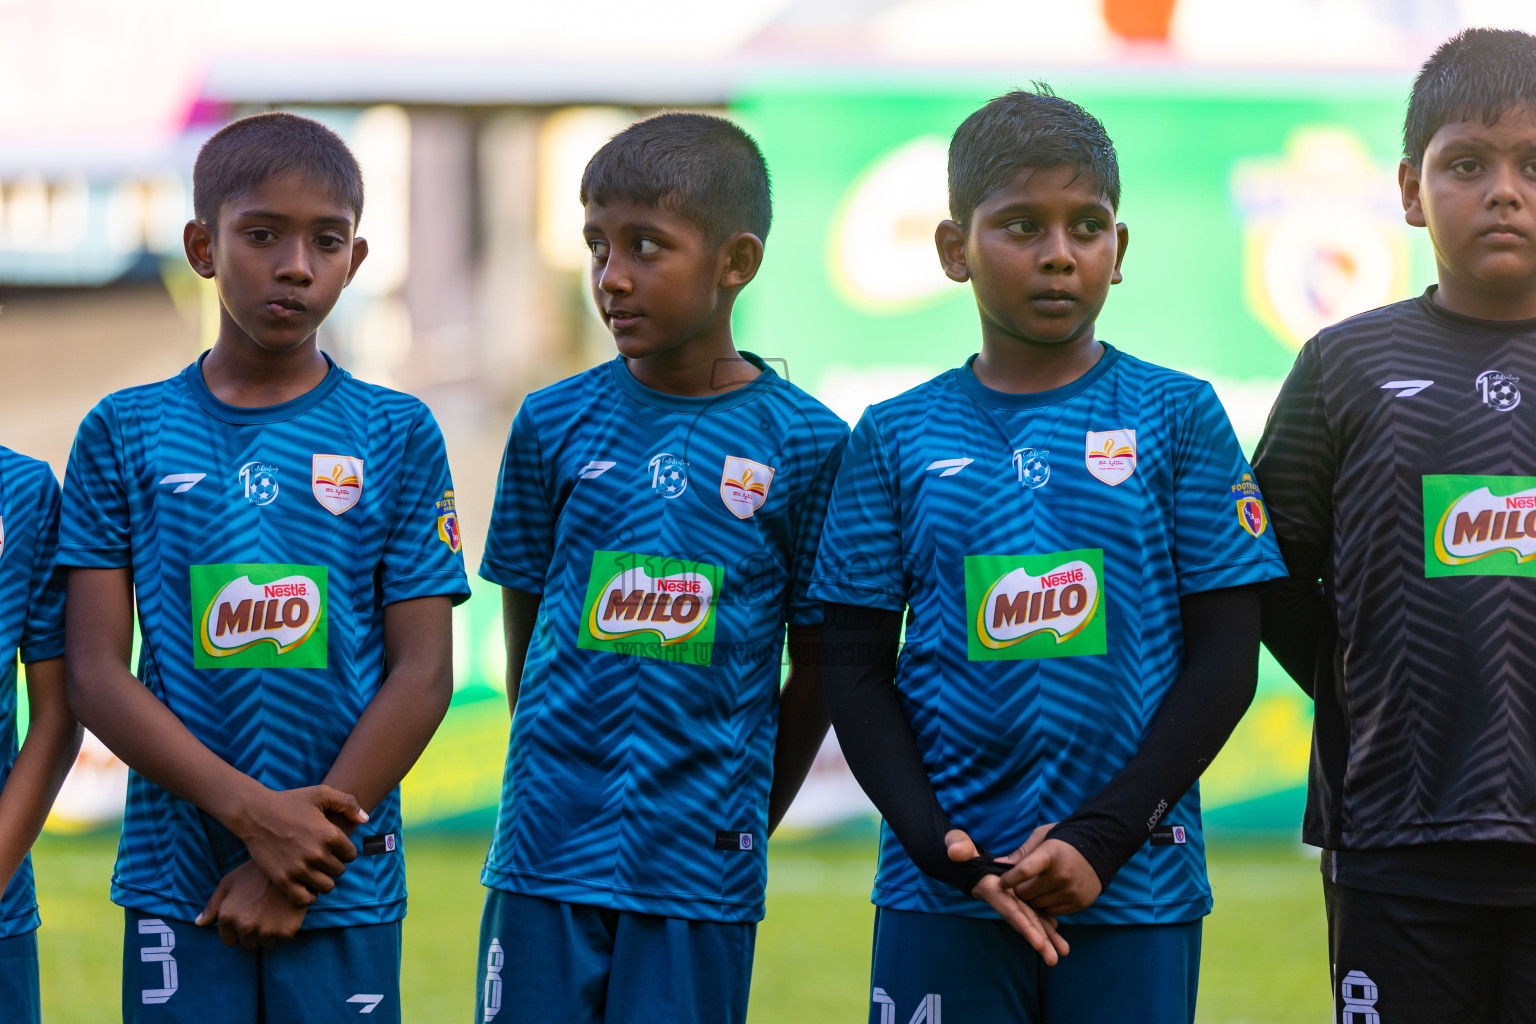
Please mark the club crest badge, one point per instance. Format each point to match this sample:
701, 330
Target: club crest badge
1250, 506
338, 481
1111, 455
744, 485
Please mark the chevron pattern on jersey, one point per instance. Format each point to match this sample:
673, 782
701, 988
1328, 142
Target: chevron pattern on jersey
1425, 730
622, 766
1013, 744
252, 501
31, 626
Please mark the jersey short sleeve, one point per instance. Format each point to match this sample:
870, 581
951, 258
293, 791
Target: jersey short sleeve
1295, 464
860, 561
42, 635
1218, 511
803, 609
522, 535
421, 554
94, 523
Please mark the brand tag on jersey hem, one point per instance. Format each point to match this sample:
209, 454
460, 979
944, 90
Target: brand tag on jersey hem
740, 842
1169, 835
378, 845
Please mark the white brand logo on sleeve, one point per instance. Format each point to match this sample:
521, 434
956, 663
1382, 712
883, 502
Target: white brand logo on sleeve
338, 481
369, 1001
1110, 454
593, 469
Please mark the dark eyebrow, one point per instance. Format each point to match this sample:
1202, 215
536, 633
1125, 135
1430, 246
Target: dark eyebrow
283, 218
1025, 206
640, 228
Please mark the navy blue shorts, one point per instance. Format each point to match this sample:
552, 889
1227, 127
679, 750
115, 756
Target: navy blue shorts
174, 972
929, 968
546, 962
18, 979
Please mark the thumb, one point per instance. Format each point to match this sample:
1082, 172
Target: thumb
329, 799
959, 846
1033, 865
210, 911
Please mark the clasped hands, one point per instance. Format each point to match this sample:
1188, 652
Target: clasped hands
1048, 878
298, 848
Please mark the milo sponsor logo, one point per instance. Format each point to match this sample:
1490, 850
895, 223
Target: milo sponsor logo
259, 616
1035, 606
1479, 526
651, 606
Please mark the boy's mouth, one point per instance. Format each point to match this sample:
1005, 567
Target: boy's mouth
622, 318
286, 306
1503, 233
1053, 301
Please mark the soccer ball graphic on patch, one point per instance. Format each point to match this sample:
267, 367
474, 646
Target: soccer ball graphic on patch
260, 482
1500, 391
669, 475
1033, 466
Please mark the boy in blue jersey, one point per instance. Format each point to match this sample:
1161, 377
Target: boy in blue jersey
281, 528
1075, 542
654, 531
31, 625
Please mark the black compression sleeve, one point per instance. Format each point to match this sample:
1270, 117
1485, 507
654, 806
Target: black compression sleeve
859, 676
1199, 712
1298, 629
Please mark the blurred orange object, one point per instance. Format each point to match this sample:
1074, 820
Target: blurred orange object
1139, 19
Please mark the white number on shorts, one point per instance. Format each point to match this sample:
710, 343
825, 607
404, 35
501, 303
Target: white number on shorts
159, 953
928, 1011
494, 958
1359, 995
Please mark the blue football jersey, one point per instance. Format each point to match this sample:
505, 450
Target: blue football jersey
31, 625
1042, 543
672, 539
264, 544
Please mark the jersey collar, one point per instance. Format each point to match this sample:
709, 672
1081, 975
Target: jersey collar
694, 405
192, 376
978, 392
1471, 325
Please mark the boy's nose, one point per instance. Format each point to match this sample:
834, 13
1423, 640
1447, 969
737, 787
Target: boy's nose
293, 266
1056, 253
1504, 188
613, 278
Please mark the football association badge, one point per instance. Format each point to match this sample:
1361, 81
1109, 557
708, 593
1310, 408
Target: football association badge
744, 485
1250, 506
1111, 455
1033, 466
338, 481
448, 523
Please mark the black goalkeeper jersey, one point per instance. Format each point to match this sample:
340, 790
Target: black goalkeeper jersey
1399, 467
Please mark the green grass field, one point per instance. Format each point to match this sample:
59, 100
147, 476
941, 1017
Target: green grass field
1265, 959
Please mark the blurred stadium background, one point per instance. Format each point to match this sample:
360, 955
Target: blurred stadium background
1258, 142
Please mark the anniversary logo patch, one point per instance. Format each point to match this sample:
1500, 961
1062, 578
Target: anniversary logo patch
651, 606
1479, 526
259, 616
1035, 606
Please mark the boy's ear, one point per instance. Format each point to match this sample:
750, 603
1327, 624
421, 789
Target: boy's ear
949, 239
743, 254
359, 253
1408, 182
197, 239
1122, 239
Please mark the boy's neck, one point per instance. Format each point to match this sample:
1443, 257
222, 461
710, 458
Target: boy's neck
244, 375
1025, 368
1478, 304
694, 371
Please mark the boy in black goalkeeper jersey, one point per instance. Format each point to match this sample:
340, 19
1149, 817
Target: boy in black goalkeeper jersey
1400, 473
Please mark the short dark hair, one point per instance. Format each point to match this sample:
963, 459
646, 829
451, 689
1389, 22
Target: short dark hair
704, 169
1026, 129
250, 150
1480, 71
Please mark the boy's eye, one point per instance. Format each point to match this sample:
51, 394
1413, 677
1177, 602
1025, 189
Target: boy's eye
329, 241
1020, 227
598, 246
1090, 226
647, 247
1465, 165
261, 235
